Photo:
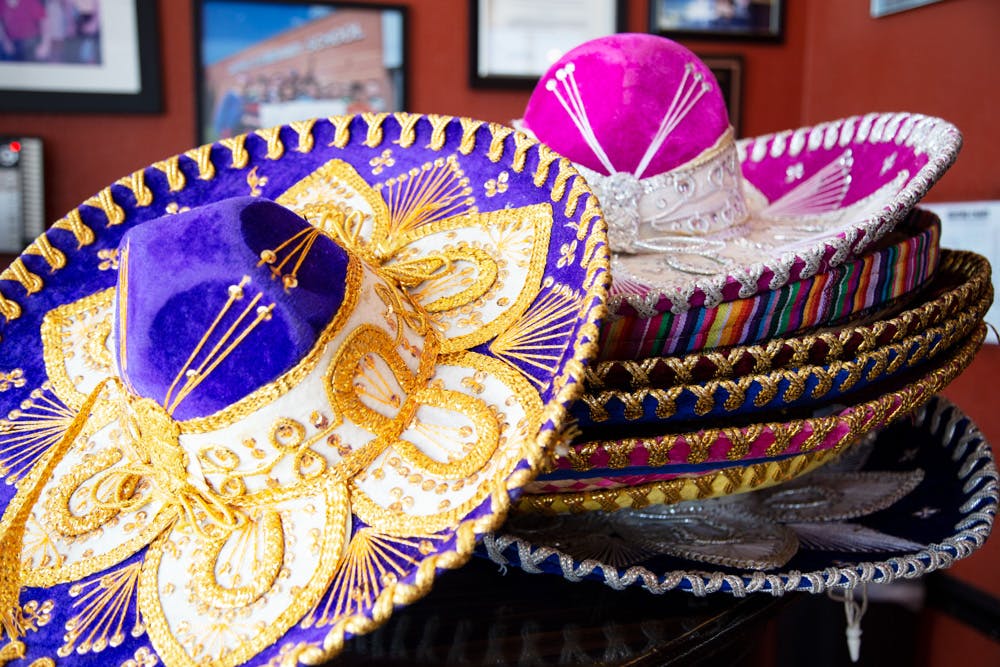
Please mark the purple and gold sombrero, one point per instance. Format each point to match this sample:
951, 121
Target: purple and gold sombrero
697, 218
260, 393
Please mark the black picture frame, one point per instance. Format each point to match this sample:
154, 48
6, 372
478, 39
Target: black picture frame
129, 82
728, 71
285, 60
742, 20
481, 75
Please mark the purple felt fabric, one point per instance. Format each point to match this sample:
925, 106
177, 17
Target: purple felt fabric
179, 273
627, 83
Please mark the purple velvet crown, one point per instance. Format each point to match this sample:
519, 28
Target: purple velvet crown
622, 95
216, 301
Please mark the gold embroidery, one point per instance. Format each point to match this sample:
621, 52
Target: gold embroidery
14, 378
497, 185
109, 259
256, 547
537, 339
255, 182
30, 431
143, 657
380, 162
105, 604
373, 560
8, 308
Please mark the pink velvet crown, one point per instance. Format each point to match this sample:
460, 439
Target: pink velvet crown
637, 103
644, 121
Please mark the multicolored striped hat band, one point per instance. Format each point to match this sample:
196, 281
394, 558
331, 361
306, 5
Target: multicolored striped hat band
697, 217
258, 395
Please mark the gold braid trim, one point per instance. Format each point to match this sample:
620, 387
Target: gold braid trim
469, 129
546, 156
439, 130
566, 172
202, 157
577, 190
272, 135
73, 223
407, 128
374, 121
136, 183
9, 309
104, 201
17, 272
238, 148
499, 134
172, 168
303, 129
341, 130
44, 248
522, 143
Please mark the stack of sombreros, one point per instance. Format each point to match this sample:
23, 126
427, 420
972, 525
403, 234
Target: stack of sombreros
775, 302
256, 396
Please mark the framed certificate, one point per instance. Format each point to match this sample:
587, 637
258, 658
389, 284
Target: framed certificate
513, 42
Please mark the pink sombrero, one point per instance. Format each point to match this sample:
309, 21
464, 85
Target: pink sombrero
697, 218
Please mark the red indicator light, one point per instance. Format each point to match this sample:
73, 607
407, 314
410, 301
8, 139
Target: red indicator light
15, 146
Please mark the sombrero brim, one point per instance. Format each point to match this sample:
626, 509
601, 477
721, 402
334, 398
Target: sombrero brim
657, 468
385, 562
898, 265
962, 280
818, 196
946, 516
809, 385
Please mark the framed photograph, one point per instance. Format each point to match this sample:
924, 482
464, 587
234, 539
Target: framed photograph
760, 20
728, 71
266, 63
885, 7
79, 55
513, 42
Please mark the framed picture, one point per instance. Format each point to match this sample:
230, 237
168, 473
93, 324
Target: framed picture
728, 71
718, 19
266, 63
513, 42
885, 7
79, 55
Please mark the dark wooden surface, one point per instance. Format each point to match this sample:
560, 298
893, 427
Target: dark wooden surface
480, 616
